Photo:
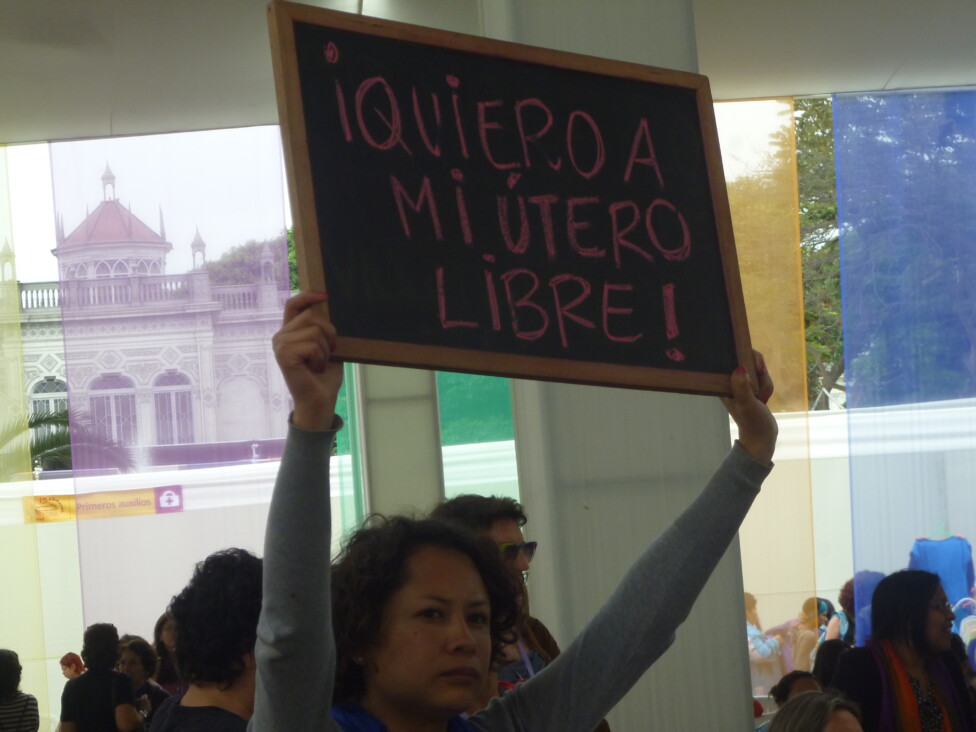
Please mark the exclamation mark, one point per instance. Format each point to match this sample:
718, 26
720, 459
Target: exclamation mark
671, 323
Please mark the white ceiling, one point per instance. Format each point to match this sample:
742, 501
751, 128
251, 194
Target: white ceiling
763, 48
90, 68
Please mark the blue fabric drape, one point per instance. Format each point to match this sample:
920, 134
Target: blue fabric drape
906, 192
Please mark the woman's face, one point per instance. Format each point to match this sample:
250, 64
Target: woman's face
938, 624
131, 665
168, 634
432, 655
69, 672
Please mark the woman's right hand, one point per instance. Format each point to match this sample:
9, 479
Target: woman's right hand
758, 429
303, 347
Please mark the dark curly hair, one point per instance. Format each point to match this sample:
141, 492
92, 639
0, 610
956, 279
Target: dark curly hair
781, 690
145, 652
100, 647
216, 617
373, 566
900, 607
478, 513
9, 673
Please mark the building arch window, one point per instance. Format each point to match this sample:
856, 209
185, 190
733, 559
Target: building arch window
112, 403
154, 268
120, 269
49, 396
76, 272
142, 268
174, 409
102, 270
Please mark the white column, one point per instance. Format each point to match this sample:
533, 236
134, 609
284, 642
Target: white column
401, 445
602, 471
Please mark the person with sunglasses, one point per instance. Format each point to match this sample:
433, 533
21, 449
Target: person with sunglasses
502, 519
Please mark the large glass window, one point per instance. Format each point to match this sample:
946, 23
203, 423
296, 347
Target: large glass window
113, 408
49, 396
174, 409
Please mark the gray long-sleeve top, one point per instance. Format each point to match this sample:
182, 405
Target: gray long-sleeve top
296, 653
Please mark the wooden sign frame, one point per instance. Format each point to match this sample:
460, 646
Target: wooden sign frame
587, 367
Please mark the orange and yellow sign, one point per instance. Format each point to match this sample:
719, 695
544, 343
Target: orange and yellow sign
115, 504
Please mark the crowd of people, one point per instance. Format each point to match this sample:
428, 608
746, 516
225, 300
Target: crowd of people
418, 624
912, 674
112, 685
423, 625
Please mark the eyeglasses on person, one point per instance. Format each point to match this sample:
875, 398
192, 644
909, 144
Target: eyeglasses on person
510, 550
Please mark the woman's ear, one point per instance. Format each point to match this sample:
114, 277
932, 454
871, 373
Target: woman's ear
250, 663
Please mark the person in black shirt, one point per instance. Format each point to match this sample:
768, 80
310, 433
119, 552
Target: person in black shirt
216, 628
101, 698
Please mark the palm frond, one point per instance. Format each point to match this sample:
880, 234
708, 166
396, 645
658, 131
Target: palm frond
54, 436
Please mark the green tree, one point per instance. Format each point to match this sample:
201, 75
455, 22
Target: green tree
241, 265
820, 247
292, 262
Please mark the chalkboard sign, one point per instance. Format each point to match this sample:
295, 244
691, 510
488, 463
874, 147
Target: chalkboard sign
475, 205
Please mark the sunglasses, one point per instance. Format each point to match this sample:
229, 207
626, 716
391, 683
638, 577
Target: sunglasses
510, 551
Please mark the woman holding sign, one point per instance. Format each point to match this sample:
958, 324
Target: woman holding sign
419, 609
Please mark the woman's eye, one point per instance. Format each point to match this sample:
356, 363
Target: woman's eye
479, 619
431, 613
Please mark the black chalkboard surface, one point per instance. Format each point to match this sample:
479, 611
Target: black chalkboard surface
475, 205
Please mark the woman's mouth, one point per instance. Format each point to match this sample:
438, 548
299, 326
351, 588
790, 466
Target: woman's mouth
463, 673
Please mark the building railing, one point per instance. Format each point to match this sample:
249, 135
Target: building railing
236, 297
39, 295
142, 290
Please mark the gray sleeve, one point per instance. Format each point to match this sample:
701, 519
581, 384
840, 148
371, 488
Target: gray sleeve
637, 624
295, 650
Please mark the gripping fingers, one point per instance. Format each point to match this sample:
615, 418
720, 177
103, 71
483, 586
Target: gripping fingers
299, 342
301, 303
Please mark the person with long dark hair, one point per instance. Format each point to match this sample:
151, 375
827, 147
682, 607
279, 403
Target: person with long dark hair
18, 711
906, 677
164, 643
